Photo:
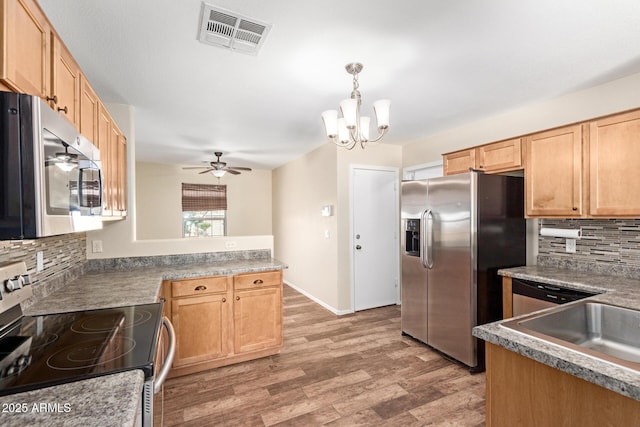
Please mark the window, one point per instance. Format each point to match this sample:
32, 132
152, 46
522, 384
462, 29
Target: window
204, 210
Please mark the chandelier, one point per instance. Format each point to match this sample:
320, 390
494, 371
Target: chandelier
352, 128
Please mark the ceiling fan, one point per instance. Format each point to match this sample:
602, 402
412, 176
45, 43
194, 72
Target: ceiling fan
219, 168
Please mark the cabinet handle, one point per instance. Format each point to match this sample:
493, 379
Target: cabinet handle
258, 282
224, 300
575, 209
200, 288
53, 98
65, 109
237, 298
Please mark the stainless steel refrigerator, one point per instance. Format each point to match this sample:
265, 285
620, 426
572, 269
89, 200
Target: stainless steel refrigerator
457, 231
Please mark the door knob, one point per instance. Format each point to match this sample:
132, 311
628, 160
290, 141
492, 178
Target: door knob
358, 247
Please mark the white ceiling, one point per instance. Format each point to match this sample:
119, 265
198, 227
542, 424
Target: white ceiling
442, 64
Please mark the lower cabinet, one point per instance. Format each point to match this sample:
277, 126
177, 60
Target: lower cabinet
524, 392
220, 320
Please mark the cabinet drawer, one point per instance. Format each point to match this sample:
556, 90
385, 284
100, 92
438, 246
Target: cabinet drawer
199, 286
255, 280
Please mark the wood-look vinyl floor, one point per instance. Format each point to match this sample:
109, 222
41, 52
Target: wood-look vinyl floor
354, 370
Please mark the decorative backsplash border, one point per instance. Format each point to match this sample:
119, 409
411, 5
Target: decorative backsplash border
64, 260
608, 246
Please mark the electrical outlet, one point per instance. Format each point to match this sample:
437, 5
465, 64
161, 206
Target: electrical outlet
39, 261
327, 234
571, 246
230, 244
96, 246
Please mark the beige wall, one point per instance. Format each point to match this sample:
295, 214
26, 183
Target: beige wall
119, 237
159, 200
612, 97
321, 267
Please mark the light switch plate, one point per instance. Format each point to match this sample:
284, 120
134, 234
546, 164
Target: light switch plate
96, 246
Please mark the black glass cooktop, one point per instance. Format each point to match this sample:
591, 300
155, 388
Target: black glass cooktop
40, 351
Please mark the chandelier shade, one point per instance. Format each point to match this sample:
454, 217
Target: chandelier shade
352, 128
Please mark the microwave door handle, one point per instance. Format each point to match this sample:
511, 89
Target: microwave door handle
171, 351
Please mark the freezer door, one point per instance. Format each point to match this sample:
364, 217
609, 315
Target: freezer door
413, 312
451, 308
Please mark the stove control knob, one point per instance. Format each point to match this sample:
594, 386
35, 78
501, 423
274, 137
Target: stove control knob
26, 279
13, 284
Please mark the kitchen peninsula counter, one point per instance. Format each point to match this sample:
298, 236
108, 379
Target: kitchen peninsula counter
621, 291
137, 282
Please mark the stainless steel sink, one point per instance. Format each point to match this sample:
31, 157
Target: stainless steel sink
601, 330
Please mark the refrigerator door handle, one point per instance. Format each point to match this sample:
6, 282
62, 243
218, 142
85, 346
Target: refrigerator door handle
425, 250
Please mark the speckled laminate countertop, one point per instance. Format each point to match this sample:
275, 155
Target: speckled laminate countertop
137, 285
111, 400
615, 290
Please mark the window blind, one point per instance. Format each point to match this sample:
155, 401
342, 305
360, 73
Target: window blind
204, 197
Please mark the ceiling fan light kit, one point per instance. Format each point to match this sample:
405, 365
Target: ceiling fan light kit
219, 169
353, 128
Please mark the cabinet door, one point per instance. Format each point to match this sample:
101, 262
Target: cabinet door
65, 80
89, 110
114, 168
459, 162
104, 144
614, 153
122, 175
500, 156
257, 317
553, 173
201, 325
27, 49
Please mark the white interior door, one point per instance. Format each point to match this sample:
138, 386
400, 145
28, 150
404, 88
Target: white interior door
375, 237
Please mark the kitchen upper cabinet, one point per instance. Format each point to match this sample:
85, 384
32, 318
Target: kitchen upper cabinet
553, 173
89, 110
491, 158
26, 41
257, 311
614, 154
65, 82
113, 154
459, 161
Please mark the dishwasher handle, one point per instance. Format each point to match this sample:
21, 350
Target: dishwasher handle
171, 351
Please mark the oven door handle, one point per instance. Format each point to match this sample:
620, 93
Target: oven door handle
171, 351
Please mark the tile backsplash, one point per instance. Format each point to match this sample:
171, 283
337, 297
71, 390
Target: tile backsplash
64, 259
608, 246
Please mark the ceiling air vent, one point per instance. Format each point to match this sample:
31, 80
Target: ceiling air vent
223, 28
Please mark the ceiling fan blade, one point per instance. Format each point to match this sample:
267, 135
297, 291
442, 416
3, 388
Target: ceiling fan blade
232, 172
197, 167
239, 168
206, 171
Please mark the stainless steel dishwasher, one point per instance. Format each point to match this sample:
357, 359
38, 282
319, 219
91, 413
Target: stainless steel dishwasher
529, 296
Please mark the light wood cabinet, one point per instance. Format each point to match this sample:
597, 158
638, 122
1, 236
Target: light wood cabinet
65, 82
201, 316
524, 392
121, 160
614, 155
553, 173
500, 156
26, 45
113, 154
223, 320
257, 311
89, 110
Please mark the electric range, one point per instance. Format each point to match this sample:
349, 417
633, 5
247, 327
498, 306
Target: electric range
53, 349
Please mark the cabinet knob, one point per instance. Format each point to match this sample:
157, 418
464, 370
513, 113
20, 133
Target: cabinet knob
237, 298
224, 300
200, 288
53, 98
65, 109
258, 282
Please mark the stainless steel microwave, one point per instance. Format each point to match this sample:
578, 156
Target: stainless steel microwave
50, 178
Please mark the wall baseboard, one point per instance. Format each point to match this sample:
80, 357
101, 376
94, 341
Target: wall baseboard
317, 301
